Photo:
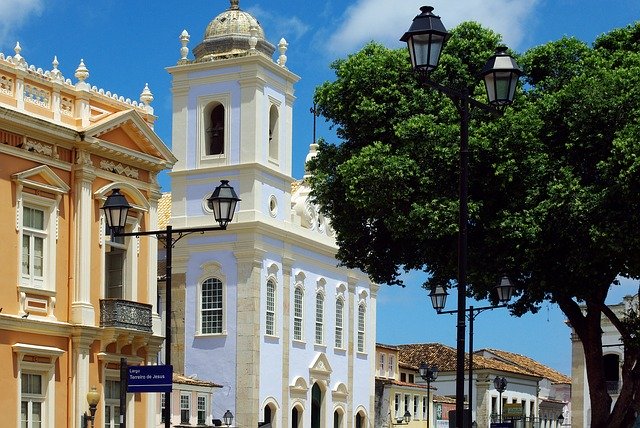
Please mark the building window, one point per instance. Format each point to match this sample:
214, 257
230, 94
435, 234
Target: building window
407, 402
297, 313
215, 129
416, 403
403, 377
425, 403
392, 367
111, 403
397, 405
381, 370
319, 318
211, 306
271, 308
273, 132
202, 410
361, 328
185, 408
31, 400
34, 234
115, 256
339, 322
411, 378
163, 401
36, 386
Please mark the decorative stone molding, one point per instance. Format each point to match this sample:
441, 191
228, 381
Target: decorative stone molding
40, 147
83, 158
118, 168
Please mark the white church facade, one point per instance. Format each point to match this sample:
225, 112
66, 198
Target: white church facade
268, 314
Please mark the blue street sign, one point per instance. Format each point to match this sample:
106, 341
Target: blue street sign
149, 378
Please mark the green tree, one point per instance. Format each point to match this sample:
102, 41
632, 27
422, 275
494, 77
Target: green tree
553, 183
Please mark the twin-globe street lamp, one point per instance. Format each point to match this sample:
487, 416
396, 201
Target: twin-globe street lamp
438, 296
222, 202
425, 39
429, 374
500, 383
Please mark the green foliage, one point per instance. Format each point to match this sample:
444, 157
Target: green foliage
553, 183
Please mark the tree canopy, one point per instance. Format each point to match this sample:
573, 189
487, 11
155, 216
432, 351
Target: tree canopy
553, 183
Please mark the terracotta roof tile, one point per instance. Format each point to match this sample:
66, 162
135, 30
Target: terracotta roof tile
530, 365
184, 380
164, 210
444, 357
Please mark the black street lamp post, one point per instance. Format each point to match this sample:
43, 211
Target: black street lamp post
425, 39
504, 290
429, 374
222, 202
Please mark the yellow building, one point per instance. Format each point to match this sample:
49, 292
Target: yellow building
399, 400
73, 301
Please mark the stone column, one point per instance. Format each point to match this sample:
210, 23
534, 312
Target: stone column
81, 381
483, 400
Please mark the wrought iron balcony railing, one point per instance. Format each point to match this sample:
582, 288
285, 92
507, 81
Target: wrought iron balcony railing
120, 313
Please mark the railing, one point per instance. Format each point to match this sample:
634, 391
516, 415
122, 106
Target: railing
613, 386
120, 313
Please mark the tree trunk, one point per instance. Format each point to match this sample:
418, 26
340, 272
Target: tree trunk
588, 328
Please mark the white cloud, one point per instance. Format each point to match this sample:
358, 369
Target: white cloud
385, 21
13, 13
291, 28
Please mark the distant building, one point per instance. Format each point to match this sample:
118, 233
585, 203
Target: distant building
263, 308
74, 299
397, 393
554, 389
520, 396
193, 397
613, 351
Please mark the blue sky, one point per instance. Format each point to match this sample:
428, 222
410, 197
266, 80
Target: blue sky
126, 44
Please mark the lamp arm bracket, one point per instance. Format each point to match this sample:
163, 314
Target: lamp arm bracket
472, 312
458, 96
180, 233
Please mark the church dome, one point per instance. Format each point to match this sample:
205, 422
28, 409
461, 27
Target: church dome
229, 34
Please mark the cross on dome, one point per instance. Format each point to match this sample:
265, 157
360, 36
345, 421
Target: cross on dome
235, 4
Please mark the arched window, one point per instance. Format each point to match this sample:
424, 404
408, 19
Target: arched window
214, 129
297, 313
316, 406
361, 327
211, 306
274, 134
271, 308
339, 322
319, 318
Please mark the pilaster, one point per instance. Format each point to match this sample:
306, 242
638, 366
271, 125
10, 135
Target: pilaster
82, 311
287, 264
352, 323
248, 337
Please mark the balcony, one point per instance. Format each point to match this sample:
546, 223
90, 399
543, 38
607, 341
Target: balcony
118, 313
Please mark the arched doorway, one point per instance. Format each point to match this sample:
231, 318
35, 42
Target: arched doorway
316, 406
295, 417
359, 420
